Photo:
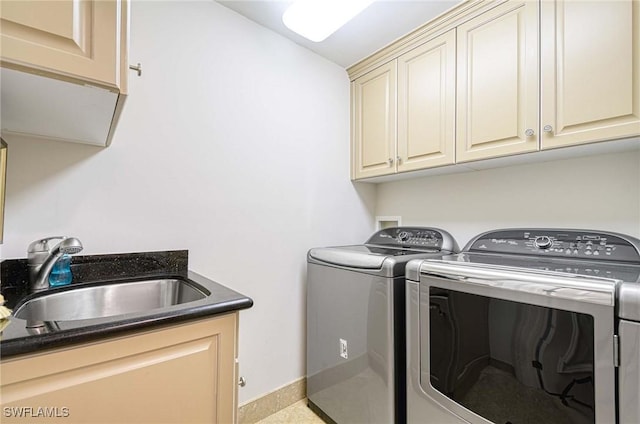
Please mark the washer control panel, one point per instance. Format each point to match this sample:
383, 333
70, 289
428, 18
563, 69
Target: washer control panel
558, 243
411, 237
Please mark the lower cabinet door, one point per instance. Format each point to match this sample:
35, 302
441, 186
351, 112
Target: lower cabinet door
181, 374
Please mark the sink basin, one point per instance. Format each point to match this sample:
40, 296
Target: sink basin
109, 300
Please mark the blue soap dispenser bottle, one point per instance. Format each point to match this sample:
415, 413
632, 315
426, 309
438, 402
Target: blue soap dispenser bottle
61, 272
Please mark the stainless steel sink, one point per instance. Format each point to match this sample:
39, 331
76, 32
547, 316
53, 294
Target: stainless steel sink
109, 300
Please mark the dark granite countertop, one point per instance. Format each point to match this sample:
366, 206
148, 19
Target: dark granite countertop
17, 339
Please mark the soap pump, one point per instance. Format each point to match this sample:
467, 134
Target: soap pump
61, 272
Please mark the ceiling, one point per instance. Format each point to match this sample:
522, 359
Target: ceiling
378, 25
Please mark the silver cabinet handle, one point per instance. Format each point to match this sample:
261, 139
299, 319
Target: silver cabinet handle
547, 128
137, 68
529, 132
390, 161
398, 160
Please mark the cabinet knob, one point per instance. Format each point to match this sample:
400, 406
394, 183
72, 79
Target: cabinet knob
242, 382
390, 161
398, 160
547, 128
529, 132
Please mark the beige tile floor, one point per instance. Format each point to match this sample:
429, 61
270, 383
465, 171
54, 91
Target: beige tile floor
297, 413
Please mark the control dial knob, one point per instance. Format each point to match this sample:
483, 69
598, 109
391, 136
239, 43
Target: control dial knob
543, 242
403, 236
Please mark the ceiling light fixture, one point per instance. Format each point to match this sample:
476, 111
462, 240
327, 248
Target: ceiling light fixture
318, 19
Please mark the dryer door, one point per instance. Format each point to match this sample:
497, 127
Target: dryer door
502, 345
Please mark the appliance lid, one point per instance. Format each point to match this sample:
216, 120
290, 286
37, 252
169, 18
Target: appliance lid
350, 256
387, 251
365, 256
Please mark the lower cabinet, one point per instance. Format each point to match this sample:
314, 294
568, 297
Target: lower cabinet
180, 374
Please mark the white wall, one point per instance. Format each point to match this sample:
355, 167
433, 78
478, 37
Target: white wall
233, 144
595, 192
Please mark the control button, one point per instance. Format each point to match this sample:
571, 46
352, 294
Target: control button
568, 251
596, 253
542, 242
575, 251
403, 236
587, 252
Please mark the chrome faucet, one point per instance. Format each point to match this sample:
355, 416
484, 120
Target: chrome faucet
41, 259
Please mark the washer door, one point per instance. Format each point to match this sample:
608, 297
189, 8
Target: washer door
505, 346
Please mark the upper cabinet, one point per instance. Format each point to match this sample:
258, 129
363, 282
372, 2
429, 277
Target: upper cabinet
374, 122
492, 79
73, 38
426, 104
590, 71
497, 82
404, 111
64, 68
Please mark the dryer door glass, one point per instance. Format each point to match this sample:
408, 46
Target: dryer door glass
510, 362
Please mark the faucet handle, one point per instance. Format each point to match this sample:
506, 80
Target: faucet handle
42, 245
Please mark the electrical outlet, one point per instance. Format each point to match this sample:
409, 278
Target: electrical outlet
343, 349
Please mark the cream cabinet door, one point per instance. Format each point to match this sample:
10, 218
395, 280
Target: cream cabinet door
374, 122
590, 71
76, 39
497, 85
180, 374
426, 104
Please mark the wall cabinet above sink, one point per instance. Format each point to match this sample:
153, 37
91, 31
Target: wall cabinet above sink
524, 77
64, 68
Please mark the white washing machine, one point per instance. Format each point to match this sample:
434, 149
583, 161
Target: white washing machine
355, 324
